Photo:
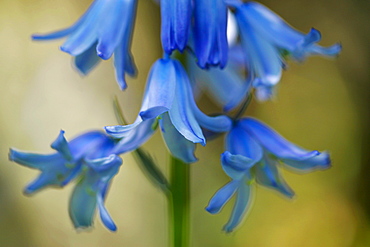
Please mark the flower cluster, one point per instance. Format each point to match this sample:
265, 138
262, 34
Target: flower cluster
232, 72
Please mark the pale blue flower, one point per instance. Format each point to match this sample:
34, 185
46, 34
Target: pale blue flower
92, 159
168, 91
105, 29
237, 167
255, 151
266, 40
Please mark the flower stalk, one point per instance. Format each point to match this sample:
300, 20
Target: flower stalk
179, 203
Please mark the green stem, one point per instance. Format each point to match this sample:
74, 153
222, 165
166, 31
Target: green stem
179, 203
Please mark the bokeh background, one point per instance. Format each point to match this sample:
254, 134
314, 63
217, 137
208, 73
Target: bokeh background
321, 104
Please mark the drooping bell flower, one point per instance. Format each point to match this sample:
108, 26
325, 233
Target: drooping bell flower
255, 151
267, 40
92, 159
105, 29
168, 91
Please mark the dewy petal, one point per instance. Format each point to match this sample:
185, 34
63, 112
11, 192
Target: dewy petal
178, 145
263, 58
275, 143
210, 35
238, 141
160, 89
86, 61
241, 207
267, 174
236, 166
175, 16
181, 114
222, 196
318, 162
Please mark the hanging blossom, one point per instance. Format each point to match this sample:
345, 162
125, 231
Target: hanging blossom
105, 29
91, 159
255, 151
169, 98
266, 41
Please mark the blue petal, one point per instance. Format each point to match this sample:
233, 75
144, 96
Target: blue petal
236, 166
39, 183
318, 162
32, 160
275, 143
175, 16
238, 141
110, 29
271, 26
86, 35
120, 131
61, 145
136, 137
275, 29
222, 196
267, 174
226, 85
241, 207
104, 215
181, 113
87, 60
263, 58
64, 32
160, 89
82, 205
178, 145
91, 189
123, 60
210, 24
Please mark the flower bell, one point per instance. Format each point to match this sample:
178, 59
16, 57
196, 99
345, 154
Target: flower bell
105, 29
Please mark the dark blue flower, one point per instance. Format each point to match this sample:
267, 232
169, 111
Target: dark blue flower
92, 159
105, 29
210, 37
267, 39
175, 17
168, 92
255, 151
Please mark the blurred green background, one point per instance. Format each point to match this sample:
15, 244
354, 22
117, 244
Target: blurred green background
321, 104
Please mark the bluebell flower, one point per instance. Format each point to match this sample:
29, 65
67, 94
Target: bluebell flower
92, 159
175, 17
105, 29
267, 39
168, 92
255, 151
238, 168
210, 37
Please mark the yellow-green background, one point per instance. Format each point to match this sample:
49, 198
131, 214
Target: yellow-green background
321, 104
